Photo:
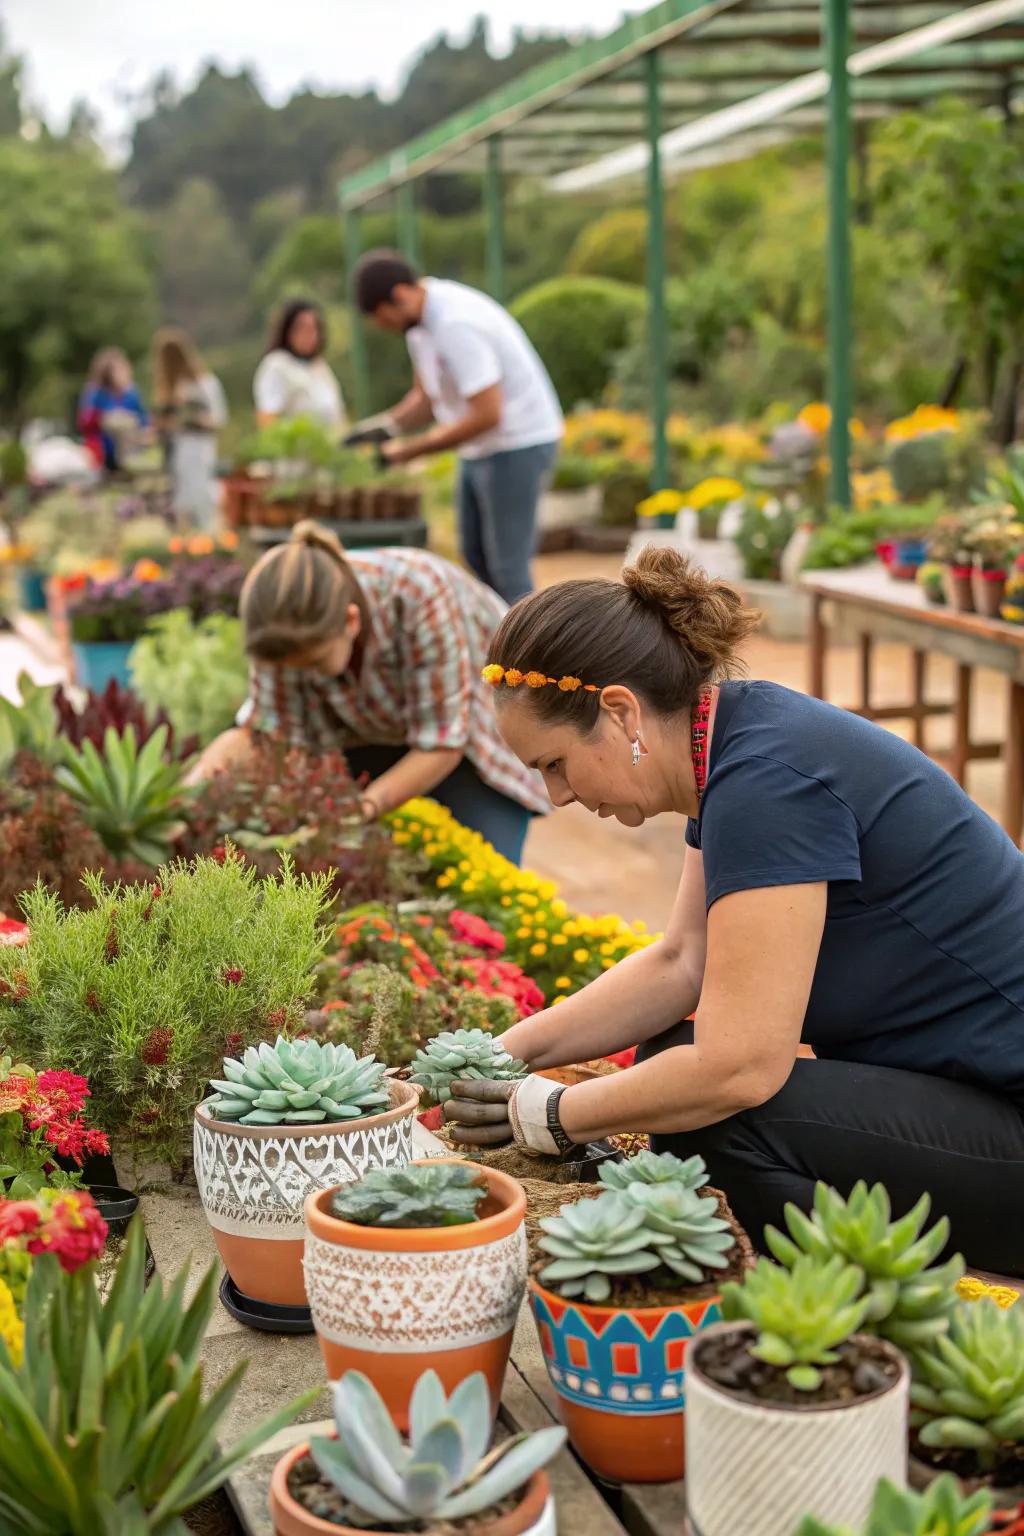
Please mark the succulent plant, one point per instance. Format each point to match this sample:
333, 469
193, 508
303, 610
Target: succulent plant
131, 797
462, 1053
443, 1472
690, 1235
592, 1241
654, 1168
908, 1303
298, 1082
968, 1388
801, 1314
942, 1510
420, 1195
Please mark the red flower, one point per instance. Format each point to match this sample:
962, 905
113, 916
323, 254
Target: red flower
92, 1002
67, 1088
156, 1046
17, 1217
473, 930
111, 947
154, 897
232, 976
74, 1230
278, 1018
232, 1043
219, 853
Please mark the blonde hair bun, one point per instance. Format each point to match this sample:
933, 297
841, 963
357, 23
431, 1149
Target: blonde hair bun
313, 535
706, 613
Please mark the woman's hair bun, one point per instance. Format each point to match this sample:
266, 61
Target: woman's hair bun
314, 535
706, 613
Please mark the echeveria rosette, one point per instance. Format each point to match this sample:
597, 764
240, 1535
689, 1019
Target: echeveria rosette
298, 1082
593, 1242
462, 1054
420, 1195
655, 1168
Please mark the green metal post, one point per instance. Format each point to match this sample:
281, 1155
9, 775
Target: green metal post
494, 222
657, 324
408, 232
840, 278
357, 339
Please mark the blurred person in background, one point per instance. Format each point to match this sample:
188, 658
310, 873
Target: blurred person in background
110, 411
189, 408
294, 378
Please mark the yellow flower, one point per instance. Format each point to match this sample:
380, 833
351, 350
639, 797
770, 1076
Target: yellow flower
559, 938
506, 901
661, 502
925, 419
523, 933
540, 933
816, 417
493, 674
443, 882
12, 1329
538, 950
563, 983
581, 956
559, 907
972, 1289
606, 965
712, 492
556, 1000
401, 838
607, 949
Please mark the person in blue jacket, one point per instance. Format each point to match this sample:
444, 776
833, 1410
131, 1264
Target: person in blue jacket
839, 891
110, 403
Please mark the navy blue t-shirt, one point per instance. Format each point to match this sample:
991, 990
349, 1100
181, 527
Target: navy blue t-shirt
922, 957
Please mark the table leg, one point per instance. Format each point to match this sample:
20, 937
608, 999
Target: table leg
864, 647
920, 660
1013, 803
816, 655
961, 725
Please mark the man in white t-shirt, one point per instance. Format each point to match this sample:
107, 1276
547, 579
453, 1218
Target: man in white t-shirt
480, 389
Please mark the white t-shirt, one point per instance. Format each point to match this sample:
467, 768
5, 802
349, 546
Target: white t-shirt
286, 385
466, 343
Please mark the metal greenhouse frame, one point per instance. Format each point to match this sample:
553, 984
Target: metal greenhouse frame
692, 83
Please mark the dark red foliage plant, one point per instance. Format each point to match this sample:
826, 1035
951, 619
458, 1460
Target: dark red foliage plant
43, 836
118, 707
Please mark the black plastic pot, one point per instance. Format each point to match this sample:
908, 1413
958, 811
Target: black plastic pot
117, 1206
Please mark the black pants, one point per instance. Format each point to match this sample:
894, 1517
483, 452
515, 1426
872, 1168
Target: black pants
841, 1121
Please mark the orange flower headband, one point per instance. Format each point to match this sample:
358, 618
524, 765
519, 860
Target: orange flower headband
496, 675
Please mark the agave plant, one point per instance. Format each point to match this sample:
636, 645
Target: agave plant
443, 1472
942, 1510
419, 1195
462, 1053
132, 798
968, 1388
655, 1168
801, 1314
908, 1302
298, 1082
690, 1235
593, 1241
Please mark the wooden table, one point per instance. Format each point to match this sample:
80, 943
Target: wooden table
867, 605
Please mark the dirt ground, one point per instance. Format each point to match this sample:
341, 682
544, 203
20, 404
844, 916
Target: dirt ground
601, 866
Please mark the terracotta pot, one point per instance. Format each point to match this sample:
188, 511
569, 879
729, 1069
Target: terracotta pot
921, 1473
394, 1302
989, 589
535, 1515
237, 495
619, 1374
788, 1461
254, 1179
959, 588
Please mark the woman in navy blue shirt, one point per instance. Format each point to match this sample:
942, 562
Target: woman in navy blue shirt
838, 889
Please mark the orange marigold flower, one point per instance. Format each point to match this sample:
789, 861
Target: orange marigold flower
569, 684
535, 679
229, 539
493, 674
175, 545
200, 544
513, 677
146, 570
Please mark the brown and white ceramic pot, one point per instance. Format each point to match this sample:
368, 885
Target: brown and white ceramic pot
394, 1302
254, 1180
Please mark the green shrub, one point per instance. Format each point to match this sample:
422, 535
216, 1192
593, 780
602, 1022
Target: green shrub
613, 245
198, 673
577, 325
706, 312
762, 538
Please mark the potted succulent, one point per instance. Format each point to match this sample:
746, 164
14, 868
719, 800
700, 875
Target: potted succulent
968, 1401
417, 1268
930, 578
790, 1384
993, 544
287, 1119
620, 1285
942, 1511
368, 1475
948, 545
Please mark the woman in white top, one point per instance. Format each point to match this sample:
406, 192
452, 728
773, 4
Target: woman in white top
294, 378
190, 409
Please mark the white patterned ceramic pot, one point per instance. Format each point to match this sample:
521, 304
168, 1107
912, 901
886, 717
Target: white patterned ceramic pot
534, 1515
254, 1179
749, 1465
394, 1302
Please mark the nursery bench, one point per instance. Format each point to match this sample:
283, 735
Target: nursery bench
868, 605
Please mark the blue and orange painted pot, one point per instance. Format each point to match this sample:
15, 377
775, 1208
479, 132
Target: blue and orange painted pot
620, 1377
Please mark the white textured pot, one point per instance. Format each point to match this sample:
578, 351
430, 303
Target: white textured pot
750, 1467
253, 1182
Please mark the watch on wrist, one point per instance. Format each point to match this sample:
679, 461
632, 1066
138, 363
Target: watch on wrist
558, 1135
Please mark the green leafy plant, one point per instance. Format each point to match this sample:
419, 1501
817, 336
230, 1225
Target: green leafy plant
104, 1430
655, 1168
144, 990
592, 1242
942, 1510
197, 673
462, 1053
132, 798
29, 726
909, 1303
801, 1314
419, 1195
443, 1472
761, 539
300, 1082
968, 1387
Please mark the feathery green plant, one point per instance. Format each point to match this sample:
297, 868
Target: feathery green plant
131, 798
443, 1472
298, 1082
104, 1430
942, 1510
908, 1302
420, 1195
462, 1053
801, 1314
968, 1387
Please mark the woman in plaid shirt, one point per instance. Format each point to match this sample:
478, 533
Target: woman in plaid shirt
378, 654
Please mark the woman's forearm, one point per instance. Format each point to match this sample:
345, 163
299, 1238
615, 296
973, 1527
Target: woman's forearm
417, 773
680, 1089
635, 1000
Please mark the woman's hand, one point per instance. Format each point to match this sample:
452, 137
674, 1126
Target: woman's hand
485, 1113
478, 1112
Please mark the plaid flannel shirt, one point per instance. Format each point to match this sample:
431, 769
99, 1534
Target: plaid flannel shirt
419, 684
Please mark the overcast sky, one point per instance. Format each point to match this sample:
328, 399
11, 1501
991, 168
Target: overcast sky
106, 49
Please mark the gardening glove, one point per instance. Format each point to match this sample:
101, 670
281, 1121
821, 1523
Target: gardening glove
485, 1112
374, 429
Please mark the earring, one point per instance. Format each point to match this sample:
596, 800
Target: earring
636, 751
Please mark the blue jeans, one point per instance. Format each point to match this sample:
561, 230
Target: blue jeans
498, 499
503, 822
